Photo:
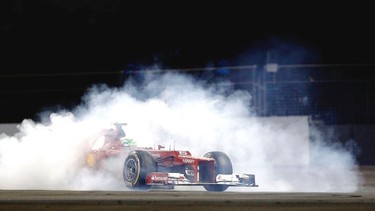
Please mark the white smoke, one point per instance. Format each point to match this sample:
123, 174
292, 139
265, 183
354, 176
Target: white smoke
178, 112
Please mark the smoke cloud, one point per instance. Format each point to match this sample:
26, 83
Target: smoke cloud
179, 112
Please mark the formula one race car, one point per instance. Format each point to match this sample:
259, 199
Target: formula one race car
147, 167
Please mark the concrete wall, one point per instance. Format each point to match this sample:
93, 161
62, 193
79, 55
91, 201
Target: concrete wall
360, 139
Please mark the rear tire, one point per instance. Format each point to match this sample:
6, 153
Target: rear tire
137, 166
223, 165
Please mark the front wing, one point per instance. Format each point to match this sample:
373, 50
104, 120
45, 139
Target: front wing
172, 179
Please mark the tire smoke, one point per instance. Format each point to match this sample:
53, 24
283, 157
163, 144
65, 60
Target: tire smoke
178, 112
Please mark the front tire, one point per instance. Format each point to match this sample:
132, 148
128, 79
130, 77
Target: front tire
223, 165
136, 167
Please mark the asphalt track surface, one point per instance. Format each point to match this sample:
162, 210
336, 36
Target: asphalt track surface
362, 199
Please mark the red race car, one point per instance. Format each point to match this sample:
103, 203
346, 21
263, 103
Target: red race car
147, 167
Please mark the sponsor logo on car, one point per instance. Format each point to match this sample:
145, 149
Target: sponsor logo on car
183, 152
159, 178
186, 160
156, 155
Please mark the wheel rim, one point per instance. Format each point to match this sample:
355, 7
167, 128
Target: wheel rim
131, 169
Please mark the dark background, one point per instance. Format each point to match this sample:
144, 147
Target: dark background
53, 50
